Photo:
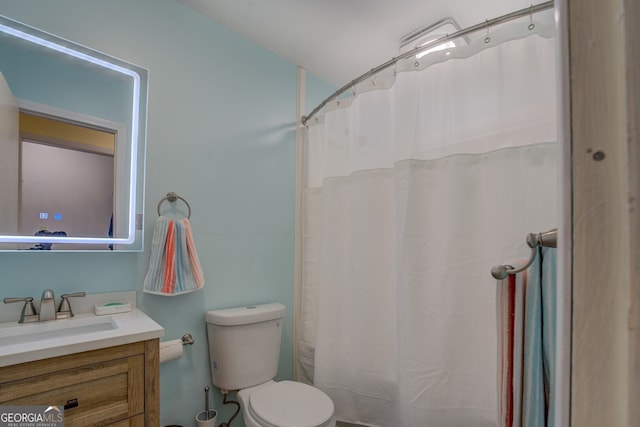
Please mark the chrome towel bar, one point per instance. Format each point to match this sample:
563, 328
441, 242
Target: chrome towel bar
546, 239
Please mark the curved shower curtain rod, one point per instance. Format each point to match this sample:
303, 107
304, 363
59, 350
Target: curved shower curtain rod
462, 33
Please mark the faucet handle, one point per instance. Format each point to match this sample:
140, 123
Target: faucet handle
27, 310
18, 299
75, 294
64, 309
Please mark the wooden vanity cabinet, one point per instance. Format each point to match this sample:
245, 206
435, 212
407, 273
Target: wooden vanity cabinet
115, 386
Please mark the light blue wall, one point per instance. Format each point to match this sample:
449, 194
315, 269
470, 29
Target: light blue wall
316, 91
221, 133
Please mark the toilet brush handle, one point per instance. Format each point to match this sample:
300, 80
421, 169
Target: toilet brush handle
206, 402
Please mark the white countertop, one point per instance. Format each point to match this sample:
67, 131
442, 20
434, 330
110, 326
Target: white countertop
26, 342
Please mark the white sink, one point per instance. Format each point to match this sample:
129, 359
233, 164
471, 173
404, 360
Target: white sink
54, 329
21, 342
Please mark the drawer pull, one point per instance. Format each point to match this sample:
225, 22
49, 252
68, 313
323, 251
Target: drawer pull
71, 403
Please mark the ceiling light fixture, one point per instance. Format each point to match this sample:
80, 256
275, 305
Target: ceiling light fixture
429, 34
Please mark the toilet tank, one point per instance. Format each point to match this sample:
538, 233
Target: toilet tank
244, 344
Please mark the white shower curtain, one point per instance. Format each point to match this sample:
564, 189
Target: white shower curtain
413, 192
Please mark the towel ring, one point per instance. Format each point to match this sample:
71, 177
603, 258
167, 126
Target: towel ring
172, 197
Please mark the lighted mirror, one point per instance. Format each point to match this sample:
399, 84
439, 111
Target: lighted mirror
72, 144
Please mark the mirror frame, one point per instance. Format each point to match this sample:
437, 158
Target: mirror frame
139, 76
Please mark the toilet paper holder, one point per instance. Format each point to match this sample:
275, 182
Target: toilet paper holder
174, 349
187, 339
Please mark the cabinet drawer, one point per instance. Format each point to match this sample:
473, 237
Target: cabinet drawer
105, 392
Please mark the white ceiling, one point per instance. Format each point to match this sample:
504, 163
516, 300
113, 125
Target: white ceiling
338, 40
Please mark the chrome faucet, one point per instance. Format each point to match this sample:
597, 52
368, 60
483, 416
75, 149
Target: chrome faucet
47, 306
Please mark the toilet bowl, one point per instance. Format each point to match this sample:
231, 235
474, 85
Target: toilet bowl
286, 404
244, 348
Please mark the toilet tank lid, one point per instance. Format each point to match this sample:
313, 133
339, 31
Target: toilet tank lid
245, 315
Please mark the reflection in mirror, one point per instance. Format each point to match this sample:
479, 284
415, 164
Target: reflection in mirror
72, 141
80, 200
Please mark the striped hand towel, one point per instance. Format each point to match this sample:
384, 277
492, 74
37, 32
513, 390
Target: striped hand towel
174, 267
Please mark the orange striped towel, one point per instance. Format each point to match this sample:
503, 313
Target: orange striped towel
174, 267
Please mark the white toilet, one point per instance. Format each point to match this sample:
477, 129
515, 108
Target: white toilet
244, 348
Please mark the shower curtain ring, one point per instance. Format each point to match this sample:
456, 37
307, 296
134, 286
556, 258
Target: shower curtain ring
531, 24
487, 39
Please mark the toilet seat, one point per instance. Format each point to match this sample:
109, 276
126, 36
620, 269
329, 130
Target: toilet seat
291, 404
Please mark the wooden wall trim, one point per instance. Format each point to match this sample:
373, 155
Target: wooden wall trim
632, 70
604, 136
